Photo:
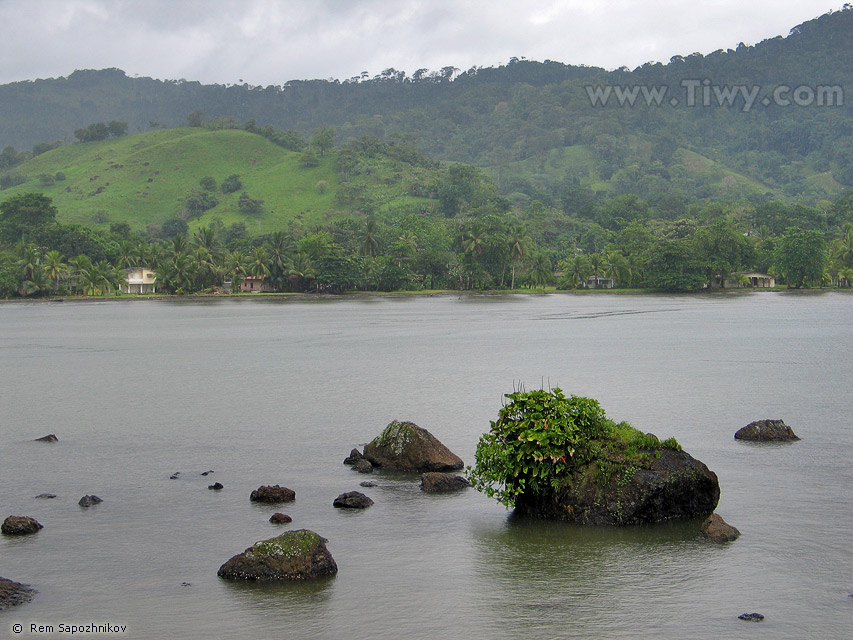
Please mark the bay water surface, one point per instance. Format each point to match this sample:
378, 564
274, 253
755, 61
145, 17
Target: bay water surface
277, 391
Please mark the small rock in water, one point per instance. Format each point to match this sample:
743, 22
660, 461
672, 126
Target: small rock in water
207, 473
363, 466
186, 584
88, 501
48, 438
368, 483
280, 518
352, 500
45, 496
175, 475
216, 486
272, 493
353, 457
751, 617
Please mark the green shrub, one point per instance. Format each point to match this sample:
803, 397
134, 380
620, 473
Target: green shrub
542, 437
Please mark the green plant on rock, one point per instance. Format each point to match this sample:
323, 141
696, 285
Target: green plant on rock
537, 437
543, 437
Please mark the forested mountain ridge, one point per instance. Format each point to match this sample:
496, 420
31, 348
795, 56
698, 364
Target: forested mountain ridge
534, 124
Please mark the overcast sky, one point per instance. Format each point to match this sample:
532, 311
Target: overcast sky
266, 42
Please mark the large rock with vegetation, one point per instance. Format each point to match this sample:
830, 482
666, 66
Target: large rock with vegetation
766, 431
404, 446
294, 555
556, 457
14, 593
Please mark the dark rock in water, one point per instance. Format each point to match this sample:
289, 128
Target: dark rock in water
751, 617
280, 518
14, 593
676, 486
404, 446
716, 529
45, 496
363, 466
272, 493
216, 486
352, 500
206, 473
367, 483
20, 526
294, 555
175, 475
433, 482
766, 431
88, 501
353, 457
48, 438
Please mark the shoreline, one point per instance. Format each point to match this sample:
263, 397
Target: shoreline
430, 293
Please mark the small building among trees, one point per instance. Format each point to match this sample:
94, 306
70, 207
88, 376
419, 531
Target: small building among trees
140, 280
749, 279
255, 284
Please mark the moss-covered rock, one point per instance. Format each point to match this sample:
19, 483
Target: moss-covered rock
404, 446
669, 485
294, 555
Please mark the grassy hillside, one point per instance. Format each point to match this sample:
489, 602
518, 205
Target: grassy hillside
142, 179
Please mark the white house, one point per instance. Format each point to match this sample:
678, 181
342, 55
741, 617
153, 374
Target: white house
140, 280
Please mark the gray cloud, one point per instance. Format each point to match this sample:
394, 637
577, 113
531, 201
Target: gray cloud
269, 42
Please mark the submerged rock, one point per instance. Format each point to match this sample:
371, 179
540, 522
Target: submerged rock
363, 466
751, 617
404, 446
272, 493
353, 457
20, 526
14, 593
766, 431
48, 438
675, 486
352, 500
45, 496
294, 555
367, 483
216, 486
88, 501
434, 482
716, 529
280, 518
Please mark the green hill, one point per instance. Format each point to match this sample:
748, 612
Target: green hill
143, 179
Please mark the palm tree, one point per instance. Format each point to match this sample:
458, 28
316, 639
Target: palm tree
236, 266
301, 268
128, 254
541, 271
517, 244
78, 266
30, 261
259, 267
55, 268
474, 239
370, 239
36, 284
279, 246
578, 270
92, 280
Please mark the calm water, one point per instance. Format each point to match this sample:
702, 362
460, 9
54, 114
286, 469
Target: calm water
267, 392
